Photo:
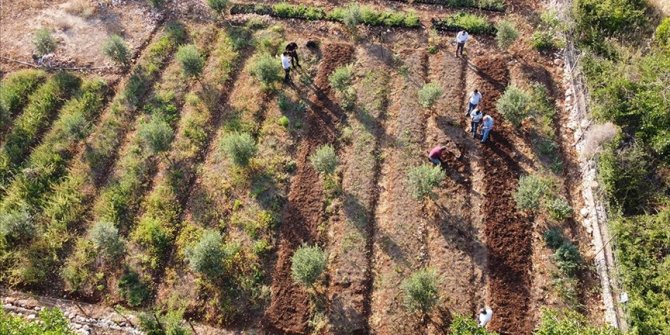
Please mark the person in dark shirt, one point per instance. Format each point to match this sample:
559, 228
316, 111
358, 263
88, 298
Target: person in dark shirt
292, 49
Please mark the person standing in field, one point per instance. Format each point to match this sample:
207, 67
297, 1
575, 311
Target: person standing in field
286, 64
461, 38
435, 155
292, 49
485, 316
475, 99
487, 126
476, 118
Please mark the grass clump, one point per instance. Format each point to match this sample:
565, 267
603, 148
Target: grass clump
530, 192
44, 42
267, 70
474, 24
423, 179
307, 265
218, 6
115, 48
50, 321
106, 240
169, 323
15, 90
514, 105
461, 325
429, 94
553, 238
506, 34
568, 258
324, 159
341, 78
240, 147
559, 209
420, 290
191, 61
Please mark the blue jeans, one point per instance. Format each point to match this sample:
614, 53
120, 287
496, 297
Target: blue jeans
475, 125
485, 136
471, 106
436, 161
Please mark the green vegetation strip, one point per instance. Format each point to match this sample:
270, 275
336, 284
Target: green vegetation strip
352, 14
44, 104
14, 92
474, 24
492, 5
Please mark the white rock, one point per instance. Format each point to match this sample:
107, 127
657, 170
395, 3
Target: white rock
31, 316
584, 212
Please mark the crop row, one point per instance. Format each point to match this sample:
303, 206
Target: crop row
41, 109
350, 15
67, 202
14, 92
492, 5
474, 24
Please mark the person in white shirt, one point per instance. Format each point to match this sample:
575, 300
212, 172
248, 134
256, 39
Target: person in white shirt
485, 315
461, 38
286, 64
487, 126
475, 99
476, 118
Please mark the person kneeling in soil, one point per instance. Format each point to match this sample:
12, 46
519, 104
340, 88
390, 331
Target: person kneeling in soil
292, 49
487, 126
485, 315
286, 64
436, 155
476, 118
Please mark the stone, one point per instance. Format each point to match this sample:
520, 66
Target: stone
584, 212
31, 317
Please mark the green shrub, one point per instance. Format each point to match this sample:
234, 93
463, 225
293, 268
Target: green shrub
662, 34
50, 321
625, 178
609, 17
17, 225
506, 34
133, 290
420, 290
240, 147
474, 24
156, 136
44, 42
76, 272
429, 94
116, 49
266, 69
568, 258
514, 105
559, 209
461, 325
351, 15
341, 78
156, 3
105, 238
155, 237
283, 121
218, 5
543, 41
553, 238
75, 126
563, 322
209, 255
170, 323
324, 159
15, 90
191, 61
423, 179
286, 10
531, 191
307, 265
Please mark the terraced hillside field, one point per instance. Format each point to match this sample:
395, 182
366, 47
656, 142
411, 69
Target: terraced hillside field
188, 187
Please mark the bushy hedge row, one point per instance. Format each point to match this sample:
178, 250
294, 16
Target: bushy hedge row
369, 15
43, 106
49, 161
14, 92
474, 24
492, 5
50, 321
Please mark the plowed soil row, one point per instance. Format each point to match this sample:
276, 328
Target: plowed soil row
399, 247
289, 309
352, 227
454, 248
508, 233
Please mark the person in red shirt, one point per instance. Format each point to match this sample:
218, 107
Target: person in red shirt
435, 155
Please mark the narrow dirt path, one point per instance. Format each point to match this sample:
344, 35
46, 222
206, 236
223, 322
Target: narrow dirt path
399, 247
289, 309
352, 227
508, 234
454, 248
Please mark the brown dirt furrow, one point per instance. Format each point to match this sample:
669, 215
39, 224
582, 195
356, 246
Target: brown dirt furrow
289, 308
398, 248
352, 227
454, 248
508, 234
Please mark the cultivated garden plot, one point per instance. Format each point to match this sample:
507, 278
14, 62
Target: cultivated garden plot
195, 184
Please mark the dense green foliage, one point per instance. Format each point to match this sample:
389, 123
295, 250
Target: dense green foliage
307, 265
240, 147
324, 159
209, 255
662, 34
217, 6
462, 325
105, 238
423, 179
506, 34
44, 42
50, 321
15, 89
133, 289
472, 23
514, 105
530, 192
266, 69
341, 78
420, 290
115, 48
429, 94
568, 322
549, 34
191, 61
492, 5
626, 177
156, 135
170, 323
